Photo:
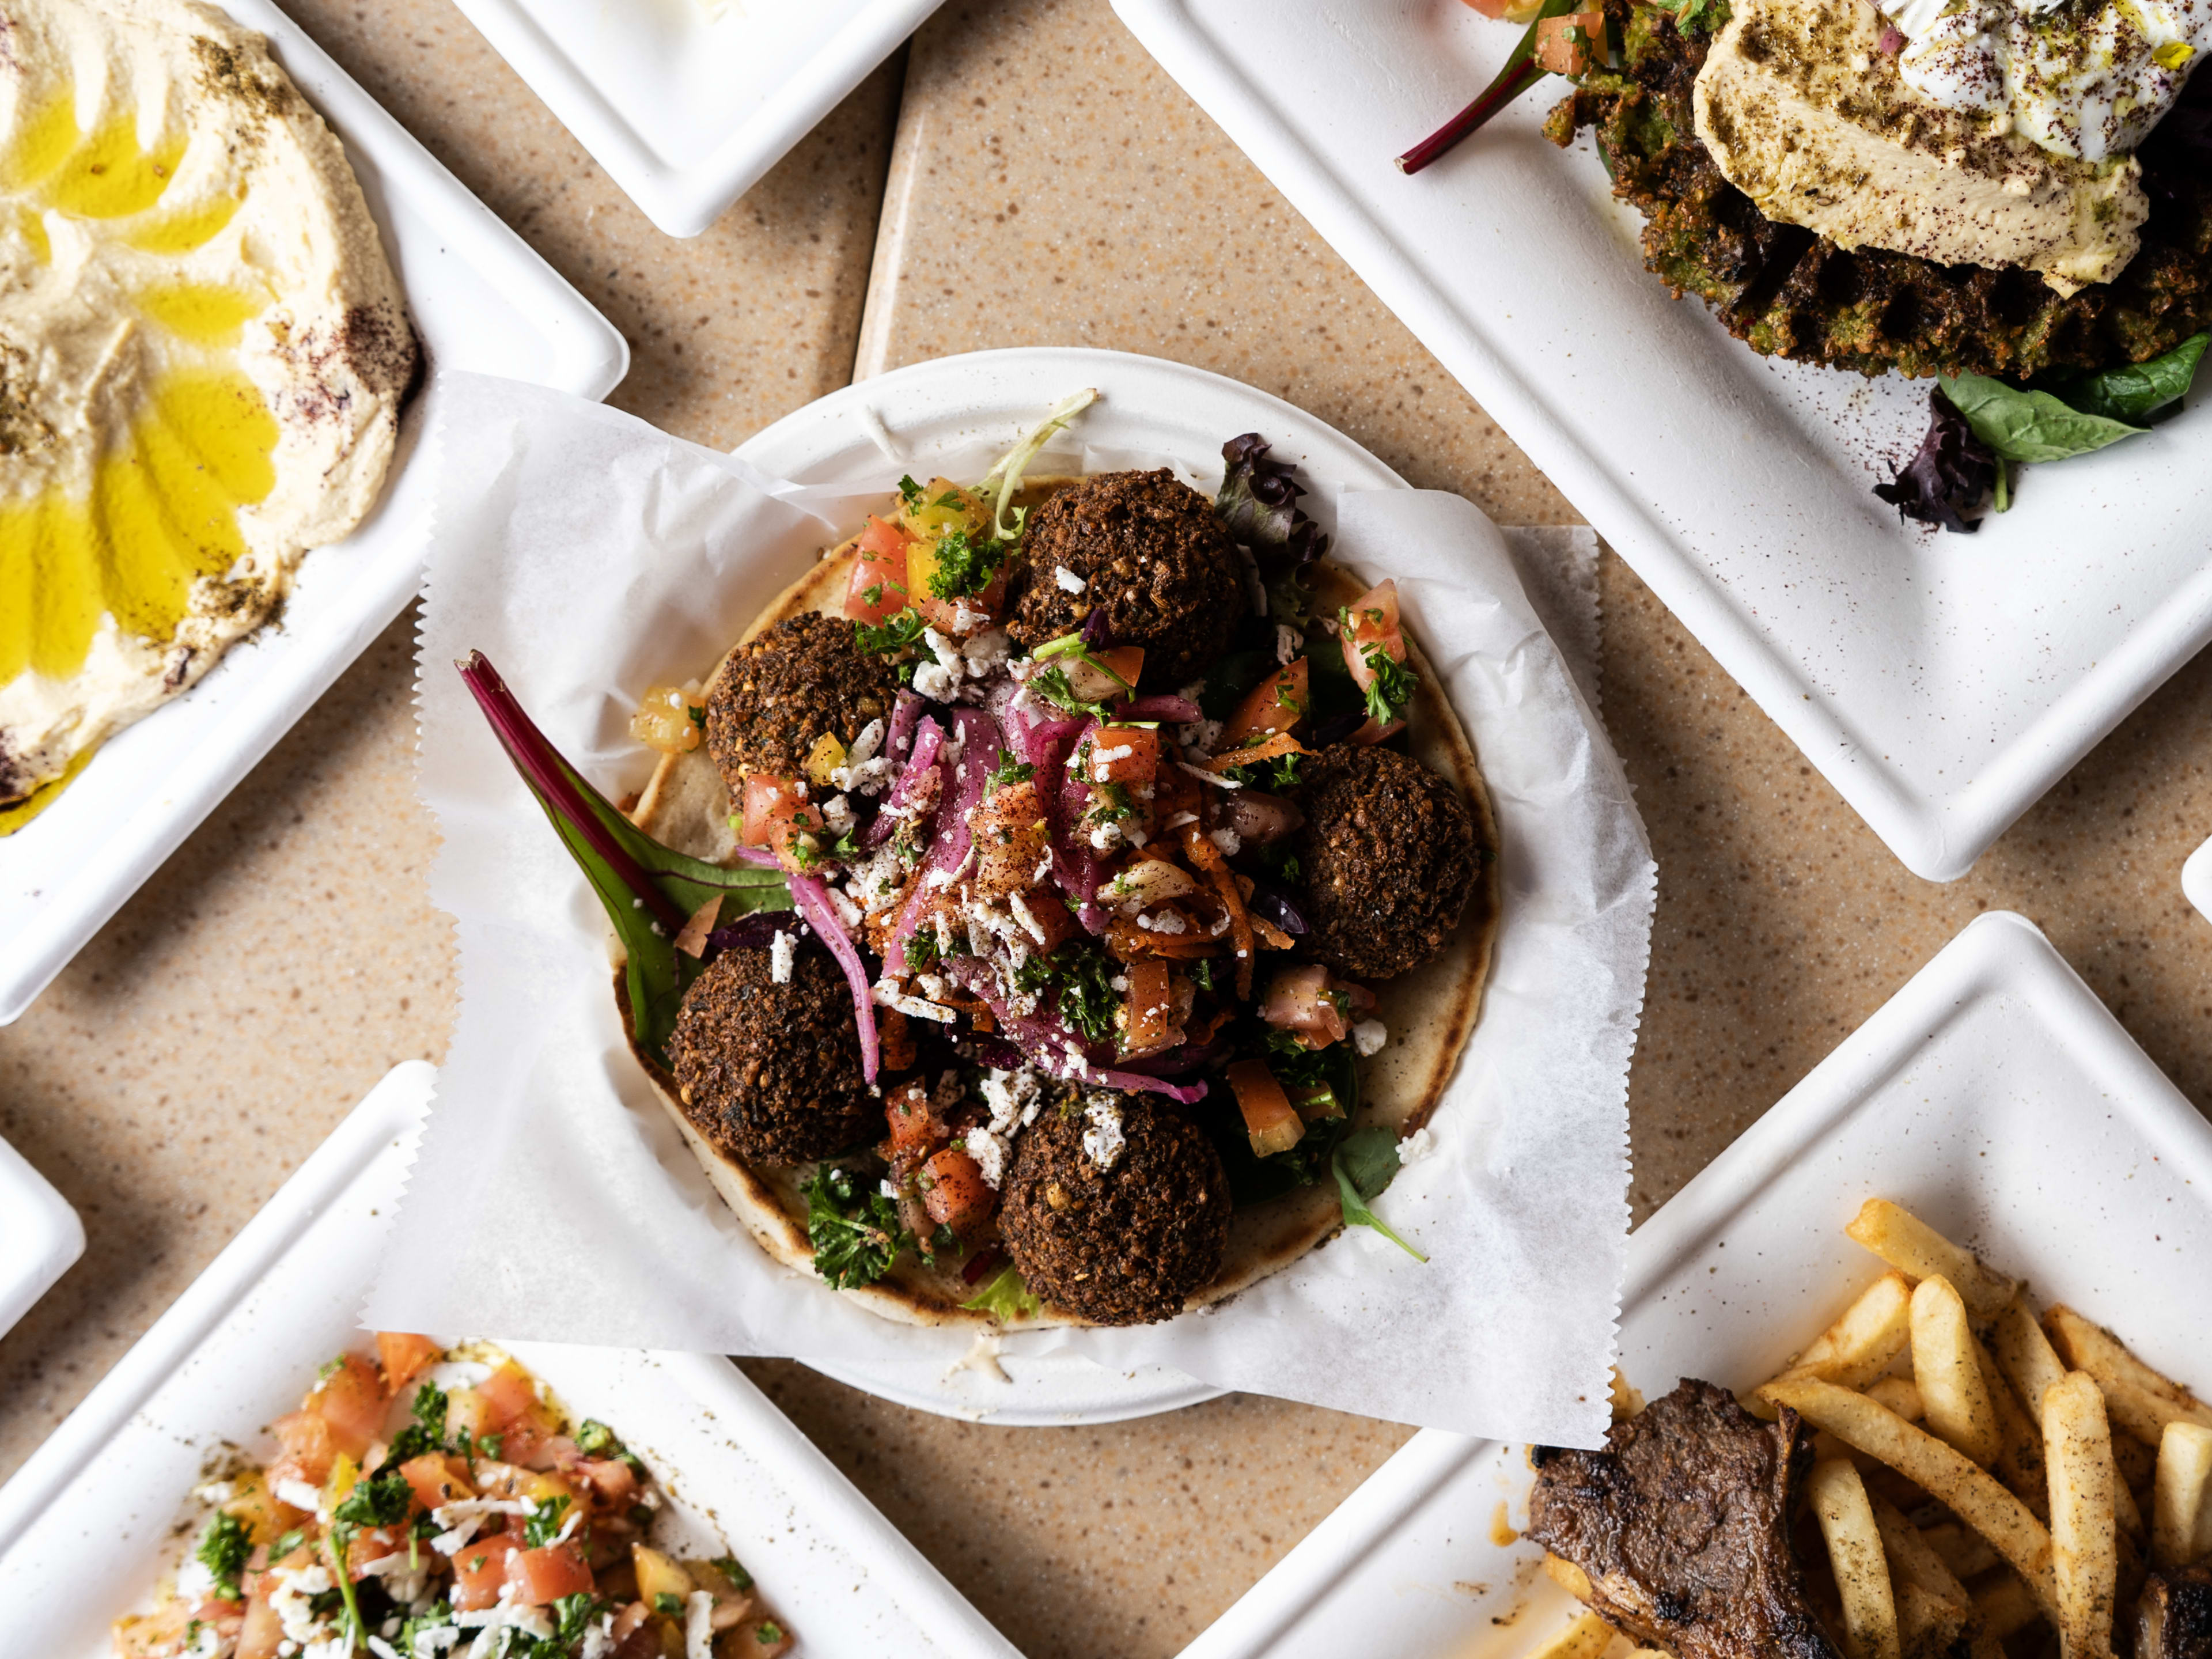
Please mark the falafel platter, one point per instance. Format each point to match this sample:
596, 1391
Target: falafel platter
1058, 905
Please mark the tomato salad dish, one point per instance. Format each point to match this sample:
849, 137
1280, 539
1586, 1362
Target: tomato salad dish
1065, 903
436, 1503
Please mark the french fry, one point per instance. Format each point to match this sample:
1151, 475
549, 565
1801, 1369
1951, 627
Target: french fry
1568, 1576
2181, 1519
2141, 1400
1967, 1553
2085, 1546
2020, 1442
2024, 1354
1918, 1251
1949, 1374
1587, 1638
2006, 1605
1900, 1394
1928, 1627
2136, 1462
1971, 1493
1839, 1503
1912, 1558
1860, 1345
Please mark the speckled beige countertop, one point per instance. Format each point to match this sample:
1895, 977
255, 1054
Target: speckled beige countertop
1024, 176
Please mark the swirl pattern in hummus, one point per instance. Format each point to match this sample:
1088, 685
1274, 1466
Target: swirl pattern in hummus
203, 356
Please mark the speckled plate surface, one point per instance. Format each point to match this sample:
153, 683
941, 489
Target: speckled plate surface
1993, 1096
482, 300
1942, 682
88, 1524
686, 103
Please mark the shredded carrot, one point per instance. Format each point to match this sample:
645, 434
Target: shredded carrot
1207, 857
1128, 940
1270, 935
1281, 744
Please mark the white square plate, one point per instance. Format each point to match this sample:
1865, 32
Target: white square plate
91, 1521
1942, 682
2196, 879
1994, 1097
686, 105
483, 301
40, 1237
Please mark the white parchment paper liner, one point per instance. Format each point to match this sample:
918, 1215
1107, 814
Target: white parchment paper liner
589, 556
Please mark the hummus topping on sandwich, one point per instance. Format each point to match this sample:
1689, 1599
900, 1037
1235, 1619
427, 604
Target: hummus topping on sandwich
1802, 110
203, 354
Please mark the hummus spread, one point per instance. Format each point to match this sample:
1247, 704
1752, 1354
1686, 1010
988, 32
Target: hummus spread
202, 355
1801, 111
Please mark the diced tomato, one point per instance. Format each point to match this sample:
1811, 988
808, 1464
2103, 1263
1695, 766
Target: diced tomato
1013, 839
263, 1632
480, 1570
1276, 704
1301, 1000
546, 1575
877, 587
1123, 754
776, 813
308, 1447
352, 1400
1270, 1120
613, 1482
1152, 1026
912, 1120
968, 614
1044, 918
954, 1192
1374, 616
437, 1479
373, 1545
405, 1356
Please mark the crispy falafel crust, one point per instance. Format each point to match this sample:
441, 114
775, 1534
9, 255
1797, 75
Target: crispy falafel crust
1150, 551
774, 701
1430, 1012
1124, 1246
1390, 858
773, 1071
1787, 294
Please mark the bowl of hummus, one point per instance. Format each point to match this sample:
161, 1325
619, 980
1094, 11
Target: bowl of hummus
203, 357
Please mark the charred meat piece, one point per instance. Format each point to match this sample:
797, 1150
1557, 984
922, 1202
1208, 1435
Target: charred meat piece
2174, 1616
1682, 1524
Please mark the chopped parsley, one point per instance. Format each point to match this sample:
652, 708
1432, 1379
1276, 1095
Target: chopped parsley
922, 951
1279, 862
854, 1228
426, 1434
1111, 803
382, 1501
1201, 973
1008, 770
768, 1632
545, 1523
668, 1604
1088, 1000
1278, 772
729, 1567
909, 491
287, 1543
595, 1437
223, 1549
895, 633
963, 566
1391, 688
872, 593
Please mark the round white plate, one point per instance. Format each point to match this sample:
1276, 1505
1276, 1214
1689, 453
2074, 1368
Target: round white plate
905, 420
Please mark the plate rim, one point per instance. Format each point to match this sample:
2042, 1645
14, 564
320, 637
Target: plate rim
2196, 879
41, 1236
1999, 951
684, 199
592, 356
1938, 837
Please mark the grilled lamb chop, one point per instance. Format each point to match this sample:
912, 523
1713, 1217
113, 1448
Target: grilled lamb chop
1682, 1524
2174, 1616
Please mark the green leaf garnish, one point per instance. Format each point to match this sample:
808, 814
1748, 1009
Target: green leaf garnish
1367, 1162
222, 1551
1007, 474
2029, 426
1006, 1298
853, 1226
895, 634
2135, 391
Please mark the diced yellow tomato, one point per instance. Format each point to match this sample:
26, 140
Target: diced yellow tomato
437, 1479
1374, 616
954, 1192
1013, 840
466, 1413
1152, 1026
345, 1475
257, 1507
1270, 1120
1124, 755
1276, 704
823, 760
543, 1576
776, 814
405, 1356
878, 584
352, 1400
663, 722
480, 1570
943, 507
658, 1575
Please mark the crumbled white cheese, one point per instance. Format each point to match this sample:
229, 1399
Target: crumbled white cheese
699, 1625
936, 681
1102, 1142
438, 1639
1107, 837
1167, 921
1069, 580
1014, 1098
990, 1155
1416, 1147
1120, 752
1369, 1036
837, 814
986, 653
847, 912
298, 1494
382, 1649
887, 995
932, 986
296, 1588
1288, 642
216, 1491
1179, 820
782, 950
1227, 840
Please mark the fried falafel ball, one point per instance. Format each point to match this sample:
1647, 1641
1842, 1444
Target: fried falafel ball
1123, 1243
776, 698
1388, 857
771, 1072
1146, 547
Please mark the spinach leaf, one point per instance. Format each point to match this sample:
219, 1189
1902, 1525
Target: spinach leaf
2132, 393
2029, 426
1006, 1298
1366, 1164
